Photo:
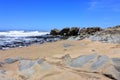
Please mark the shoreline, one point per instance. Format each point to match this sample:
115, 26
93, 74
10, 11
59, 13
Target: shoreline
74, 48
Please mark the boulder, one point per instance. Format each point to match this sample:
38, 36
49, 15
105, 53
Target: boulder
83, 31
54, 32
93, 30
65, 32
74, 31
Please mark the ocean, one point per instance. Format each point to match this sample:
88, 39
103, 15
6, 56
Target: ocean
12, 39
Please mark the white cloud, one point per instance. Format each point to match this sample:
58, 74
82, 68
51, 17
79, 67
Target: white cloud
112, 5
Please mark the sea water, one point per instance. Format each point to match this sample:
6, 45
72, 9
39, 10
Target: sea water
11, 39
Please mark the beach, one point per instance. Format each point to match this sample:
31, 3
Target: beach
75, 48
59, 40
52, 52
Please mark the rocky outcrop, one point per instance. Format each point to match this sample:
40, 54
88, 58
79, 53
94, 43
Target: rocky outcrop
64, 32
97, 34
90, 30
54, 32
26, 41
79, 37
74, 31
86, 33
111, 36
94, 63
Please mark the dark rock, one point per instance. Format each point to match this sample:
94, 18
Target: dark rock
93, 30
19, 43
26, 41
54, 32
65, 32
90, 30
83, 31
50, 40
74, 31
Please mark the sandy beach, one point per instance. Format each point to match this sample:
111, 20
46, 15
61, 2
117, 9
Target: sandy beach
51, 52
74, 48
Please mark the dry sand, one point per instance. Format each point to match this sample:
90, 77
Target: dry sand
49, 51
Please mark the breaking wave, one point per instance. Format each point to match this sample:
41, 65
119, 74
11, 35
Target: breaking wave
22, 33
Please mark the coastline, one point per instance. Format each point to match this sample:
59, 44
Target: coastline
92, 54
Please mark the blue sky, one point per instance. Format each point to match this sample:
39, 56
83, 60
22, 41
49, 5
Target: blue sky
49, 14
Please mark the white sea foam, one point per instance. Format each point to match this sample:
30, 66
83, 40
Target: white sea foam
22, 33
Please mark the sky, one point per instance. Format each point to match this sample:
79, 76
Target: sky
49, 14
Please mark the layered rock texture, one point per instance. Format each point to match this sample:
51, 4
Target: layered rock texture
96, 64
92, 66
112, 36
